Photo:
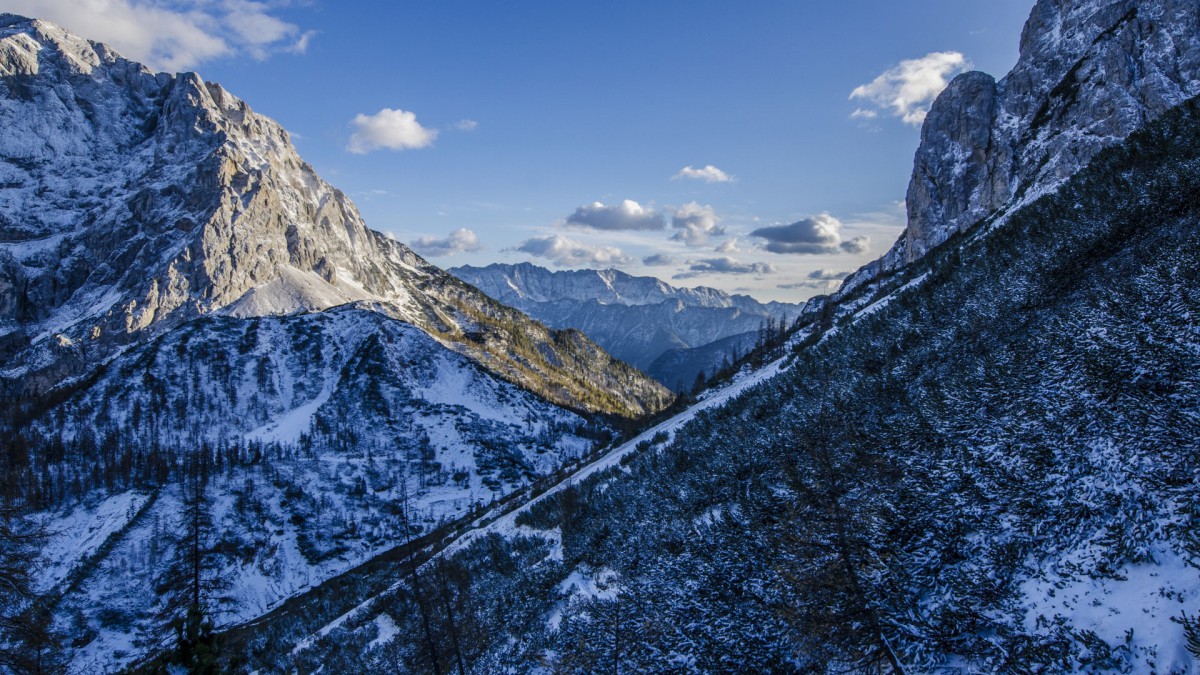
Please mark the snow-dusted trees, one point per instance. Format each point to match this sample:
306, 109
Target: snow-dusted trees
829, 517
28, 643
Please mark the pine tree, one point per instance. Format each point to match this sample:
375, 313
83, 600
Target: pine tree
191, 585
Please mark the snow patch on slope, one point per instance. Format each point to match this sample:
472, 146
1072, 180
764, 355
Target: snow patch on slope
294, 291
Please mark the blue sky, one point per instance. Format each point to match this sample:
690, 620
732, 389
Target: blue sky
562, 133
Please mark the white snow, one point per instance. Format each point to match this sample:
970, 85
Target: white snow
78, 533
581, 584
887, 299
388, 630
292, 292
289, 427
1138, 602
600, 584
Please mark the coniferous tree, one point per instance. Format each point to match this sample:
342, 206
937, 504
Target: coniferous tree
28, 643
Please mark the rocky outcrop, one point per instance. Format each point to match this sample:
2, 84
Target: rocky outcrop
1090, 73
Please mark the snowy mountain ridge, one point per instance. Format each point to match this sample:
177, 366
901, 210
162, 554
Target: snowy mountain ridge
526, 282
199, 335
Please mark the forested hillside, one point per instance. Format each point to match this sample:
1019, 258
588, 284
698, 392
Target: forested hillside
992, 469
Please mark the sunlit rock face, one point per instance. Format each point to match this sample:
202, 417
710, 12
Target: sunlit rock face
1090, 73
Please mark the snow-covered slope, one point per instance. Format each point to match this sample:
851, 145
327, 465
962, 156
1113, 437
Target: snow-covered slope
316, 429
636, 319
132, 202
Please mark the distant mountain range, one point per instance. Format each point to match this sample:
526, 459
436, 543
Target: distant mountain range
636, 319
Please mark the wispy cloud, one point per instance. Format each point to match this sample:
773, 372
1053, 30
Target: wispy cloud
908, 89
709, 174
461, 240
175, 35
628, 215
390, 129
820, 234
724, 265
565, 252
465, 125
728, 246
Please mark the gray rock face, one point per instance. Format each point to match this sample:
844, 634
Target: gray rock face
133, 202
636, 319
1090, 73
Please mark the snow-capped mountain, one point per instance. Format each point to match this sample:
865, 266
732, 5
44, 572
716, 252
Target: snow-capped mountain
134, 202
636, 319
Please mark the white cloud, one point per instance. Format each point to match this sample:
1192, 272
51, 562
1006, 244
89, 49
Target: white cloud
728, 246
391, 129
709, 174
724, 265
628, 215
907, 90
864, 114
695, 224
174, 35
461, 240
820, 234
565, 252
466, 125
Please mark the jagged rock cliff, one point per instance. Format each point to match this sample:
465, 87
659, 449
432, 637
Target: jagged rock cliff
1090, 73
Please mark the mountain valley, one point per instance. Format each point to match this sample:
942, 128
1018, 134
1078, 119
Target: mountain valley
244, 432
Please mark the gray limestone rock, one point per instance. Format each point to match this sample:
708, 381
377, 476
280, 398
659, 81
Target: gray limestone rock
1090, 73
133, 202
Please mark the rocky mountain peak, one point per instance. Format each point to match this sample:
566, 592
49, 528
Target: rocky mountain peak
132, 203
